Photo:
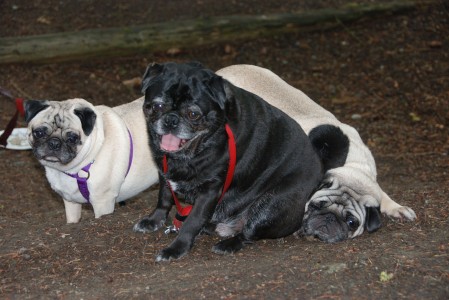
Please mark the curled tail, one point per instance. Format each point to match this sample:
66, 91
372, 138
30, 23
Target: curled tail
331, 145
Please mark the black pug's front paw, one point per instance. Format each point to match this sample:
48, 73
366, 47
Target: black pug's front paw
174, 251
230, 245
148, 224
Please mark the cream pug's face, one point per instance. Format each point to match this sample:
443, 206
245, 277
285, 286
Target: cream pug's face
57, 130
334, 214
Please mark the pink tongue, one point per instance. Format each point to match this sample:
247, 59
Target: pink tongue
170, 142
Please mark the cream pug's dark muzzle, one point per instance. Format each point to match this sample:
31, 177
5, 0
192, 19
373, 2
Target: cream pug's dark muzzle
53, 150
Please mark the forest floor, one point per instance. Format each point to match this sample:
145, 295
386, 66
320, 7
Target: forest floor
387, 76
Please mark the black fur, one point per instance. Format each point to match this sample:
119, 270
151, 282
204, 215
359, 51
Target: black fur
33, 107
372, 221
277, 168
331, 144
88, 118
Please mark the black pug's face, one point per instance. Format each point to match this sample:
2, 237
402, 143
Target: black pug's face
57, 130
184, 105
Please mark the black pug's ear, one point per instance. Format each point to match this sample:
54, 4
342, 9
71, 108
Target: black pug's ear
195, 64
152, 71
218, 87
33, 107
372, 222
87, 117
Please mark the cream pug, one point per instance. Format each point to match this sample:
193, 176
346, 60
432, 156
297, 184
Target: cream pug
91, 154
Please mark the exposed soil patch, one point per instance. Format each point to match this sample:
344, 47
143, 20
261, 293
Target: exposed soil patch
387, 76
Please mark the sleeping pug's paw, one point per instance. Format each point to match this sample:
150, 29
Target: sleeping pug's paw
402, 213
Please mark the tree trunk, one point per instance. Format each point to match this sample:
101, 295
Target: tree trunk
66, 46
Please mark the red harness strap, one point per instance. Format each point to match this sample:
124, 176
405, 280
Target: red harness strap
184, 211
12, 123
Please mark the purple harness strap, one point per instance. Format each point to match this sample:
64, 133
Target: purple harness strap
82, 181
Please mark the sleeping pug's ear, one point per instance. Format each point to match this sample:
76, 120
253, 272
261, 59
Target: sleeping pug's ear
372, 221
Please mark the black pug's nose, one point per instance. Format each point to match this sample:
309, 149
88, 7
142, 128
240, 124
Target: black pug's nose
54, 144
171, 120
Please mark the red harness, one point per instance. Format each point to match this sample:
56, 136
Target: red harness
183, 211
12, 123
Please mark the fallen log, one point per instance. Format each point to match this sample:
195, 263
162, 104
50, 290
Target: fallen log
67, 46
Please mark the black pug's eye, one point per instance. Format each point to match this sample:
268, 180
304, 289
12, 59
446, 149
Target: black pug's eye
158, 107
39, 133
193, 115
352, 222
72, 138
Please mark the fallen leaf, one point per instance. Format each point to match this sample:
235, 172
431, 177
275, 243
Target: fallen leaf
174, 51
229, 49
384, 276
415, 117
43, 20
435, 44
356, 116
133, 82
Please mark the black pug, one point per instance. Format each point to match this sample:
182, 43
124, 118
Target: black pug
187, 109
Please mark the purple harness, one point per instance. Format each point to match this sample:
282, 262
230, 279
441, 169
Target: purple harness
82, 181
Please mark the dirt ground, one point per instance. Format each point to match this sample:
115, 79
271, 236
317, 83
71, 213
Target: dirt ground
386, 76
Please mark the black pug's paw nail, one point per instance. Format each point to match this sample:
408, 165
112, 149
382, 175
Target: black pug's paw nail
170, 253
228, 246
147, 225
299, 234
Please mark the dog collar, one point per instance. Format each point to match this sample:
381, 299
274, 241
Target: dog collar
82, 181
182, 212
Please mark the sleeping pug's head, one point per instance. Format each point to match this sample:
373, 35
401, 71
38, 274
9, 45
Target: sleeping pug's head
184, 106
335, 213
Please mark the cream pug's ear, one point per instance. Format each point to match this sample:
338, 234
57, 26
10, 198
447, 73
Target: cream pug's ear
33, 107
372, 221
87, 117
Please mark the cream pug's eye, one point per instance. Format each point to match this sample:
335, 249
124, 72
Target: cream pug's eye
352, 222
72, 138
39, 133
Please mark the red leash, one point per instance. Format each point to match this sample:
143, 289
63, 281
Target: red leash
184, 211
12, 123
